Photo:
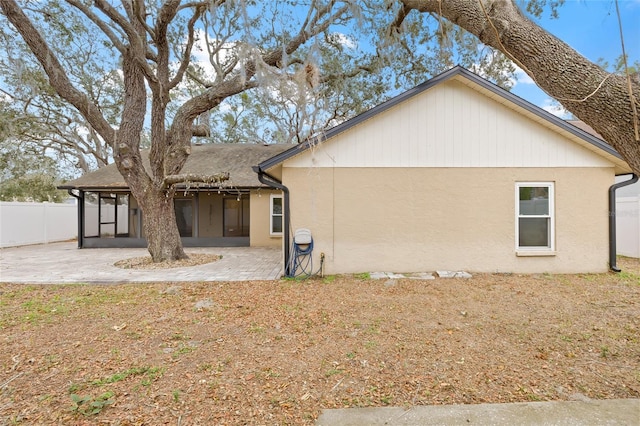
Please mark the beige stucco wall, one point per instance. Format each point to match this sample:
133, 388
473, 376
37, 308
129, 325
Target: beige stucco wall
426, 219
259, 221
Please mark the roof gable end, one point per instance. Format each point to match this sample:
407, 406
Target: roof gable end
479, 84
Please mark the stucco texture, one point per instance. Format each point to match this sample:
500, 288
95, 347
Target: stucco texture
426, 219
260, 220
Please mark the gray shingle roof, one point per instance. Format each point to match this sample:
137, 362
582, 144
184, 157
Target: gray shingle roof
237, 159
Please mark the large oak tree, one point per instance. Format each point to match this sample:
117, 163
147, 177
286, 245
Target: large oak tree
608, 102
153, 44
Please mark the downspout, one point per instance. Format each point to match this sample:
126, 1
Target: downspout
80, 198
275, 183
612, 219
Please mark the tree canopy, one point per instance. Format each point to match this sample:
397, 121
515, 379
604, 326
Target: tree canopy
26, 173
356, 65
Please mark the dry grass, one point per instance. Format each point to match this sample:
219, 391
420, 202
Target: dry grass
279, 352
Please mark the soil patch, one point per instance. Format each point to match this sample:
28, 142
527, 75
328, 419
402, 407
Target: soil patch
145, 262
277, 352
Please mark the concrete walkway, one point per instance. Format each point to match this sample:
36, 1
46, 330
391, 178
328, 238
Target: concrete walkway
556, 413
59, 263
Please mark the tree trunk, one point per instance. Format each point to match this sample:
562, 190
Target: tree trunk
160, 228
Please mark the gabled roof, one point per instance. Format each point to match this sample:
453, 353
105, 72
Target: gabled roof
585, 138
584, 126
236, 159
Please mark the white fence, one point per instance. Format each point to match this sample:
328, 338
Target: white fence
35, 223
628, 226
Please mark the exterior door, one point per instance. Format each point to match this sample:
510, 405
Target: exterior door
236, 217
184, 216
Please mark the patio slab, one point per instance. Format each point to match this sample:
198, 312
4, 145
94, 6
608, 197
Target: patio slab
59, 263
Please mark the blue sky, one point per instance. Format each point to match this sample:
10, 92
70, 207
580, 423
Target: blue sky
591, 28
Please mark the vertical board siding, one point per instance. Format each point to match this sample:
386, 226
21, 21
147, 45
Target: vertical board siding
450, 125
36, 223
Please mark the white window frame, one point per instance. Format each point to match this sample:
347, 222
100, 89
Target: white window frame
529, 250
272, 214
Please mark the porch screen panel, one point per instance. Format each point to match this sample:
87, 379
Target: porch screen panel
107, 215
135, 219
236, 222
122, 212
184, 216
91, 220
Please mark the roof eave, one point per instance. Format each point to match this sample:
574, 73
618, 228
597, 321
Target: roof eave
181, 187
94, 188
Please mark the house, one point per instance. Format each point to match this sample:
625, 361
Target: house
456, 173
453, 174
239, 212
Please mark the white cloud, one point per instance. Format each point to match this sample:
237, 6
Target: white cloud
200, 53
522, 77
344, 40
555, 108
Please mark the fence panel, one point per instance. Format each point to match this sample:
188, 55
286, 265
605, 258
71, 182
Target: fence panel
628, 226
36, 223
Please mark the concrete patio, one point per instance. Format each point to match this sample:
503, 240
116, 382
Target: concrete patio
59, 263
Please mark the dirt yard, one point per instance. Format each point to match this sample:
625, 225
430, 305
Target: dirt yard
279, 352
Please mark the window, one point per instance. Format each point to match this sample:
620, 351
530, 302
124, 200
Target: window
535, 221
276, 215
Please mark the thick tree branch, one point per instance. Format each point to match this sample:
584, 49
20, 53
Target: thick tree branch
139, 15
136, 39
127, 150
189, 178
99, 22
165, 15
54, 70
582, 87
201, 130
182, 127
